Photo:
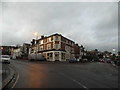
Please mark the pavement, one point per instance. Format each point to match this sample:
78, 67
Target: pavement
64, 75
0, 76
7, 75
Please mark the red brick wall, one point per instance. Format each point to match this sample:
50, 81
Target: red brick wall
76, 50
45, 40
63, 39
51, 38
62, 46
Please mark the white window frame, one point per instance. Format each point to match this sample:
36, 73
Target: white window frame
41, 42
41, 48
56, 46
48, 46
49, 39
56, 39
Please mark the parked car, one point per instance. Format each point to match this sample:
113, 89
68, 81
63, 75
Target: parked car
5, 59
102, 60
85, 60
118, 63
73, 60
108, 60
42, 59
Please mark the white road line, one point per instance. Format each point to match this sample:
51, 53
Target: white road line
16, 81
75, 81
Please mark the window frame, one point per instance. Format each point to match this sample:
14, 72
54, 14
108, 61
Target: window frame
56, 38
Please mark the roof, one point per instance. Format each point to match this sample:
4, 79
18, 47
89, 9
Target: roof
26, 44
55, 35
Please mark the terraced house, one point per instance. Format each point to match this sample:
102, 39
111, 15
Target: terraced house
54, 47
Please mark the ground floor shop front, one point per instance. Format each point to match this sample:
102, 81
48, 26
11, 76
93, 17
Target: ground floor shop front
51, 56
57, 55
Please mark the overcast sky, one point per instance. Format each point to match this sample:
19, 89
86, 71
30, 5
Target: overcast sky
94, 25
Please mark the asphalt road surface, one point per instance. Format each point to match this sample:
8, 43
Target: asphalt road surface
64, 75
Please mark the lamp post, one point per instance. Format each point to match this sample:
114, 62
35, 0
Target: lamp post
36, 37
113, 51
1, 50
113, 56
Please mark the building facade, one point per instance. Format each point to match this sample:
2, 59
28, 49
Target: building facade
25, 49
6, 50
20, 51
16, 52
54, 47
77, 51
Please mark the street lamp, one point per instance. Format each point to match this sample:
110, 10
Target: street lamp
1, 48
113, 57
113, 51
36, 34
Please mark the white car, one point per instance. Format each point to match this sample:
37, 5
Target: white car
5, 59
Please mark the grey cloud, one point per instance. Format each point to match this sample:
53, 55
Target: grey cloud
90, 24
106, 29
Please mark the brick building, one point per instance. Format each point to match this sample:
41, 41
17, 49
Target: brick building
25, 49
54, 47
15, 52
20, 51
77, 51
6, 50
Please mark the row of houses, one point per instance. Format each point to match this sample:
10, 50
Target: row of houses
55, 47
21, 52
16, 51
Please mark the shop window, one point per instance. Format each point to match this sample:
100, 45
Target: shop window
63, 55
49, 54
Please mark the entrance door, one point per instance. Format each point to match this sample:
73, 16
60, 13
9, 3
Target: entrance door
56, 56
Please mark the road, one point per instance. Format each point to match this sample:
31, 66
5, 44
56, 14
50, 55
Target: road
64, 75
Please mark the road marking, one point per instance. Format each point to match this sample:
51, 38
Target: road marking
16, 81
75, 81
0, 71
80, 84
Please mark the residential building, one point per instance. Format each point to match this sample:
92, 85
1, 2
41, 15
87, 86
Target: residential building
20, 51
6, 50
106, 54
16, 52
54, 47
77, 50
25, 49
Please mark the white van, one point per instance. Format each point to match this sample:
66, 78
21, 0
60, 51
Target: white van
5, 59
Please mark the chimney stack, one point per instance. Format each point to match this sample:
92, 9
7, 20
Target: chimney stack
42, 36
